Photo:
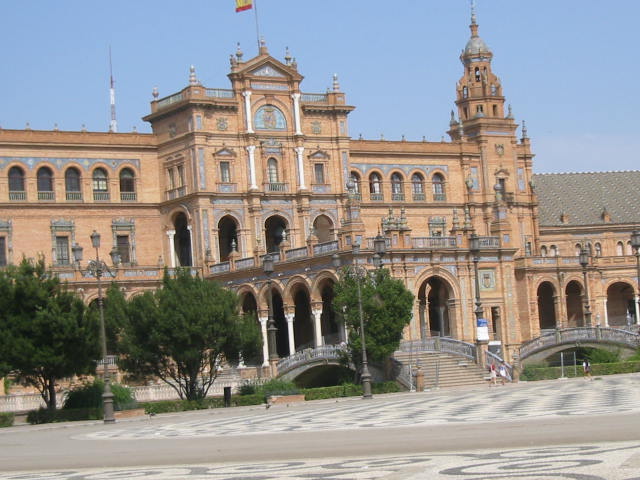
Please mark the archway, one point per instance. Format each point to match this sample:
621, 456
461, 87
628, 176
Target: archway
303, 328
575, 313
434, 315
249, 306
546, 306
620, 307
331, 331
275, 231
227, 237
282, 334
323, 228
182, 240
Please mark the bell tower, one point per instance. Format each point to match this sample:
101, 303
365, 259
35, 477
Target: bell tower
479, 95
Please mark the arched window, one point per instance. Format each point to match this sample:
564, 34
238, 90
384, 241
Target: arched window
272, 170
375, 186
16, 179
477, 74
598, 250
45, 184
553, 251
577, 249
127, 185
396, 187
72, 184
100, 184
629, 250
437, 182
269, 117
417, 187
543, 251
355, 180
465, 92
619, 249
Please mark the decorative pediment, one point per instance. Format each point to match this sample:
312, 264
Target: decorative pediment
225, 152
268, 70
502, 172
319, 155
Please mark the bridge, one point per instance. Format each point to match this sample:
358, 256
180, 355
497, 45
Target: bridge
561, 339
294, 365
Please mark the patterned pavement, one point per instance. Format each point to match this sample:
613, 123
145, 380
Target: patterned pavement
587, 461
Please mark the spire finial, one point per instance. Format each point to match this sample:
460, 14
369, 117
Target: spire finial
524, 130
336, 84
193, 79
155, 93
473, 13
263, 47
287, 56
239, 52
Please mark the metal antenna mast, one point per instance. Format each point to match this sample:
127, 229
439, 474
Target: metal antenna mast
113, 125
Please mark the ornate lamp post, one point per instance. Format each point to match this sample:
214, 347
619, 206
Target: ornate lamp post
583, 258
474, 248
359, 271
267, 266
635, 243
379, 248
96, 268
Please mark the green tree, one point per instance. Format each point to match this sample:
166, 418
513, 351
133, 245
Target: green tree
115, 313
386, 308
48, 333
182, 332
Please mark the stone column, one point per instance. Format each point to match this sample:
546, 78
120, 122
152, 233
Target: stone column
606, 314
247, 110
317, 313
637, 309
193, 253
265, 341
296, 112
251, 150
421, 318
300, 159
172, 247
292, 340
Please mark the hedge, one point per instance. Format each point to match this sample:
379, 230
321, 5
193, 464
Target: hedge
6, 419
551, 373
44, 415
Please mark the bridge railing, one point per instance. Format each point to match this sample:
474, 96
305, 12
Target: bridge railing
439, 344
579, 335
310, 355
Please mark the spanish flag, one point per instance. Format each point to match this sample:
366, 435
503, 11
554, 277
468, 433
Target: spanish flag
243, 5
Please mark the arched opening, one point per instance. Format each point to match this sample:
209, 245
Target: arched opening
619, 249
575, 313
16, 179
323, 228
127, 184
275, 231
303, 328
417, 186
227, 237
331, 331
45, 183
355, 180
72, 184
437, 182
543, 251
272, 170
182, 240
434, 298
375, 186
546, 306
397, 188
100, 184
249, 307
282, 333
620, 306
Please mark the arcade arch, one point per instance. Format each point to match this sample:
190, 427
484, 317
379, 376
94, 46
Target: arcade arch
546, 306
435, 296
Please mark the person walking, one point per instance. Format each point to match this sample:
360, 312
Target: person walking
586, 369
502, 371
493, 373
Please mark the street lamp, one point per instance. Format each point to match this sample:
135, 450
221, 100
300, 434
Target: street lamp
583, 258
379, 248
96, 268
359, 272
267, 266
635, 243
474, 248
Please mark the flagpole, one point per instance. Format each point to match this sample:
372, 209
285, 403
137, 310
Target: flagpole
255, 10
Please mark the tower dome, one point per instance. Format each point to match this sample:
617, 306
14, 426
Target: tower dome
475, 49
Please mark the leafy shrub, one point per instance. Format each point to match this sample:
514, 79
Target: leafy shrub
277, 387
89, 395
551, 373
635, 357
169, 406
248, 389
44, 415
6, 419
600, 355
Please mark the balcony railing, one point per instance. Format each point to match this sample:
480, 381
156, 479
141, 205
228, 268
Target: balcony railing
17, 196
376, 197
128, 196
296, 253
219, 93
397, 197
101, 196
275, 187
439, 197
49, 196
419, 197
73, 196
245, 263
220, 267
433, 242
176, 192
165, 102
314, 98
325, 247
489, 242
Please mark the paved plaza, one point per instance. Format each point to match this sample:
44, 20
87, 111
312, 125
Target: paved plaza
573, 429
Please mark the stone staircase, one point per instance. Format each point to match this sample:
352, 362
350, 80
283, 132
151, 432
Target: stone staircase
440, 369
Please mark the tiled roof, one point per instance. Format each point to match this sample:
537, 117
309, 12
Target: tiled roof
583, 197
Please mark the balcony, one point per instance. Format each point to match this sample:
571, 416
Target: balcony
376, 197
226, 187
439, 197
276, 187
73, 196
128, 196
397, 197
419, 197
101, 196
18, 196
433, 242
176, 192
47, 196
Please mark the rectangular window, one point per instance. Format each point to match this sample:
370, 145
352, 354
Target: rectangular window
180, 176
62, 250
3, 251
172, 179
225, 172
122, 242
198, 122
319, 172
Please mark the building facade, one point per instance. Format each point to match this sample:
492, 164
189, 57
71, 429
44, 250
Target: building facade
228, 175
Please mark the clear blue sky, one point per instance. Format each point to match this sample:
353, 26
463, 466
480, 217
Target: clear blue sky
568, 67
